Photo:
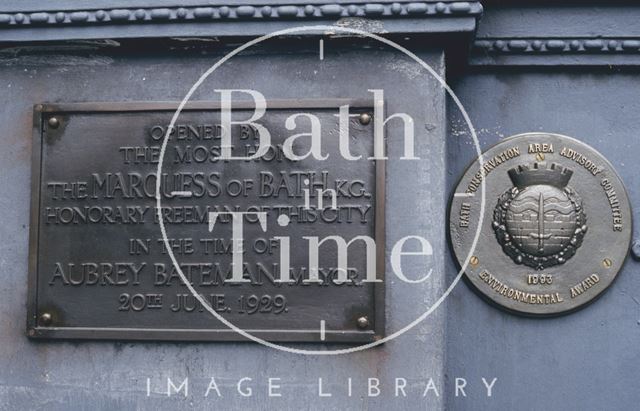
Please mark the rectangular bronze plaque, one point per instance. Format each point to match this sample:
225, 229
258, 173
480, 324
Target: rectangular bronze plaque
99, 267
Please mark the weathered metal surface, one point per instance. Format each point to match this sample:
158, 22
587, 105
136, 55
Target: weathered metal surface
578, 361
584, 361
556, 227
64, 375
99, 264
70, 20
601, 34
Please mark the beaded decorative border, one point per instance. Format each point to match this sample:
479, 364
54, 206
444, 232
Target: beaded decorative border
244, 12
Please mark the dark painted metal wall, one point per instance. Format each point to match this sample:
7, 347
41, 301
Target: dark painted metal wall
588, 360
566, 69
56, 375
571, 70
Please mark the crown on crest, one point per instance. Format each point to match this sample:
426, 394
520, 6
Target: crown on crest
540, 173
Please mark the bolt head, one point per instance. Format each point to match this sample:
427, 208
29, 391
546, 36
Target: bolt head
46, 319
365, 118
607, 263
363, 322
54, 122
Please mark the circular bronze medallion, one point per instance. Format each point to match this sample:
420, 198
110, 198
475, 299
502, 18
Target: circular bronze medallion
556, 226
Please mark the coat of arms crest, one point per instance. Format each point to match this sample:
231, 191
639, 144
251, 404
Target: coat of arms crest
540, 221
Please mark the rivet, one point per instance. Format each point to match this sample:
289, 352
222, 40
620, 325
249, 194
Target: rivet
365, 119
363, 322
54, 122
474, 260
45, 319
31, 332
540, 157
607, 263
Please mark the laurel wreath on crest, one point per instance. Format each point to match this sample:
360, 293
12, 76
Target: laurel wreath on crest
535, 261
